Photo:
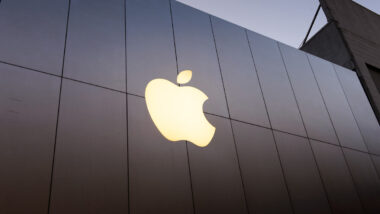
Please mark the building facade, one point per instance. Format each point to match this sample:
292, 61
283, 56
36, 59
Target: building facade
351, 39
294, 133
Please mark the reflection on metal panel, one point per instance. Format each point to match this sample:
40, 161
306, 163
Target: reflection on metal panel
103, 165
196, 51
95, 49
243, 90
216, 179
336, 103
89, 168
365, 178
150, 44
376, 160
361, 108
337, 178
278, 95
261, 170
313, 110
158, 169
301, 173
33, 33
28, 116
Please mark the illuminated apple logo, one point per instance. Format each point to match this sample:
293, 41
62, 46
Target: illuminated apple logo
177, 111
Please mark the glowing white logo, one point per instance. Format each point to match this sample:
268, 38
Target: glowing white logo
177, 111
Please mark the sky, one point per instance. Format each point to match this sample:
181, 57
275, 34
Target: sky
286, 21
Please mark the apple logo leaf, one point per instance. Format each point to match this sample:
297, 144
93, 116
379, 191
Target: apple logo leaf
184, 77
177, 111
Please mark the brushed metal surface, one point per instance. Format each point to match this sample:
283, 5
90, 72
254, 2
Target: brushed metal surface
90, 167
342, 118
33, 33
365, 178
158, 169
216, 179
28, 117
150, 44
261, 170
244, 96
301, 173
361, 108
376, 161
95, 47
278, 94
337, 178
313, 110
196, 51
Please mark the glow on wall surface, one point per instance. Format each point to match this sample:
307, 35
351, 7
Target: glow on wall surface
177, 111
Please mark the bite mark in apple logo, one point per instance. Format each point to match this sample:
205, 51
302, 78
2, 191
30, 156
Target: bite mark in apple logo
177, 111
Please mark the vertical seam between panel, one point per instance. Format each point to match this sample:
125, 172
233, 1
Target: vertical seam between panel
303, 123
126, 107
186, 142
271, 128
58, 110
357, 124
349, 105
258, 79
229, 116
292, 89
220, 69
340, 145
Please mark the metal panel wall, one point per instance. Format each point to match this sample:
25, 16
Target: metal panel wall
265, 186
28, 115
215, 173
365, 178
313, 110
150, 44
376, 160
301, 173
337, 178
158, 169
33, 33
95, 47
196, 51
361, 108
90, 173
110, 157
278, 93
344, 122
243, 92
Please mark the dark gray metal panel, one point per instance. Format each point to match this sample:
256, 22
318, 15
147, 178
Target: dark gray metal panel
337, 178
261, 170
216, 179
95, 48
28, 116
158, 169
150, 44
361, 108
33, 33
313, 110
90, 168
365, 178
340, 113
243, 90
301, 173
278, 95
196, 51
376, 161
